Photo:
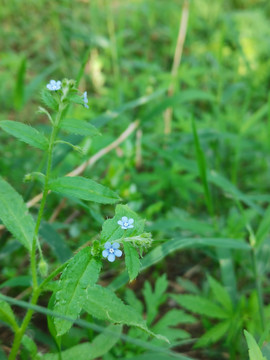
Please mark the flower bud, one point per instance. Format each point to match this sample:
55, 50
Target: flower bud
43, 268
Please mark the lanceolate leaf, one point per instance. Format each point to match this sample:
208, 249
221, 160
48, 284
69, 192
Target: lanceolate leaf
253, 348
84, 189
200, 305
81, 273
132, 260
214, 334
6, 315
25, 133
105, 305
14, 214
79, 127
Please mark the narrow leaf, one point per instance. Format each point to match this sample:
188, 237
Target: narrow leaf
221, 294
200, 305
105, 305
214, 334
79, 127
264, 227
84, 189
132, 260
6, 315
19, 87
25, 133
80, 274
55, 241
14, 214
253, 348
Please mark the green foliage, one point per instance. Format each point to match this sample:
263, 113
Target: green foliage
80, 274
25, 133
111, 231
132, 261
14, 214
98, 347
253, 349
105, 305
84, 189
7, 315
79, 127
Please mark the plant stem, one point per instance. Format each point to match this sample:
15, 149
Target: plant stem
37, 289
258, 287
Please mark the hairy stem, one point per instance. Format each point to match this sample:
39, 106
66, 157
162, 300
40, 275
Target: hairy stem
36, 289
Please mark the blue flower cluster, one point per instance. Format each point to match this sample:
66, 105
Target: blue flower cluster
54, 85
126, 223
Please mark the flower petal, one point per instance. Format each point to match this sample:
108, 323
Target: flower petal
111, 258
124, 219
115, 245
107, 245
120, 222
130, 221
105, 253
130, 226
53, 82
118, 253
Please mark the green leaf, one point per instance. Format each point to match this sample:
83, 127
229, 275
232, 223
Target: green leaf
220, 294
214, 334
81, 273
112, 231
24, 281
200, 305
154, 298
51, 326
253, 348
49, 100
7, 315
202, 169
79, 127
105, 305
14, 214
55, 241
169, 247
25, 133
98, 347
84, 189
19, 87
173, 318
30, 346
264, 227
132, 260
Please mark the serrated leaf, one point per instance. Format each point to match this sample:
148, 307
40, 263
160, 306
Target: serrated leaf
25, 133
220, 294
132, 260
105, 305
7, 315
253, 348
49, 100
84, 189
79, 127
98, 347
14, 214
214, 334
200, 305
81, 273
112, 231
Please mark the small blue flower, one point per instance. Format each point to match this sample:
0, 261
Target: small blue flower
54, 85
85, 100
111, 251
126, 223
